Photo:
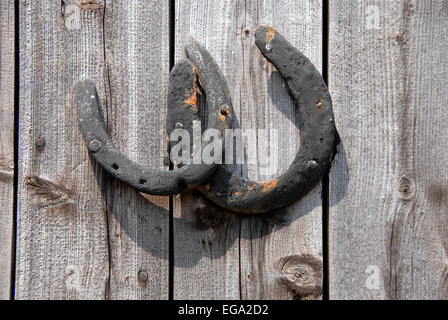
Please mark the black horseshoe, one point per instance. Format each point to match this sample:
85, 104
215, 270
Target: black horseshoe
182, 106
318, 135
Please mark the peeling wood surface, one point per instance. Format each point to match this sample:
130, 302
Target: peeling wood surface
219, 255
7, 144
388, 186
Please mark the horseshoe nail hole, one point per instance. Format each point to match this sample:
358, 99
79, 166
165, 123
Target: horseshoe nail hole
115, 166
321, 140
143, 181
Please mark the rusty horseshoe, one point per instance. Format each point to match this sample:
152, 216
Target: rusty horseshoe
182, 102
317, 143
226, 189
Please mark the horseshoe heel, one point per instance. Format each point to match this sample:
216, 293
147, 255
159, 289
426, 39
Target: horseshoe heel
318, 133
182, 106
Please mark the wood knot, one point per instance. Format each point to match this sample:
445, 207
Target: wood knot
301, 275
406, 188
269, 185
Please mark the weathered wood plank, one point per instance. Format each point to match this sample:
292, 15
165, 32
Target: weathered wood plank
220, 255
62, 240
128, 232
7, 144
388, 186
137, 57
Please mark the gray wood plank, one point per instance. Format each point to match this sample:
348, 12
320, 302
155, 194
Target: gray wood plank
62, 238
137, 57
221, 255
388, 186
7, 144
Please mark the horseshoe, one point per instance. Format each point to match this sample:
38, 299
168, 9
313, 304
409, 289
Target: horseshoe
182, 109
224, 188
317, 143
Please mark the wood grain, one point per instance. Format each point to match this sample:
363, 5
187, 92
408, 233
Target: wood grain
388, 186
218, 255
7, 144
62, 239
137, 57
